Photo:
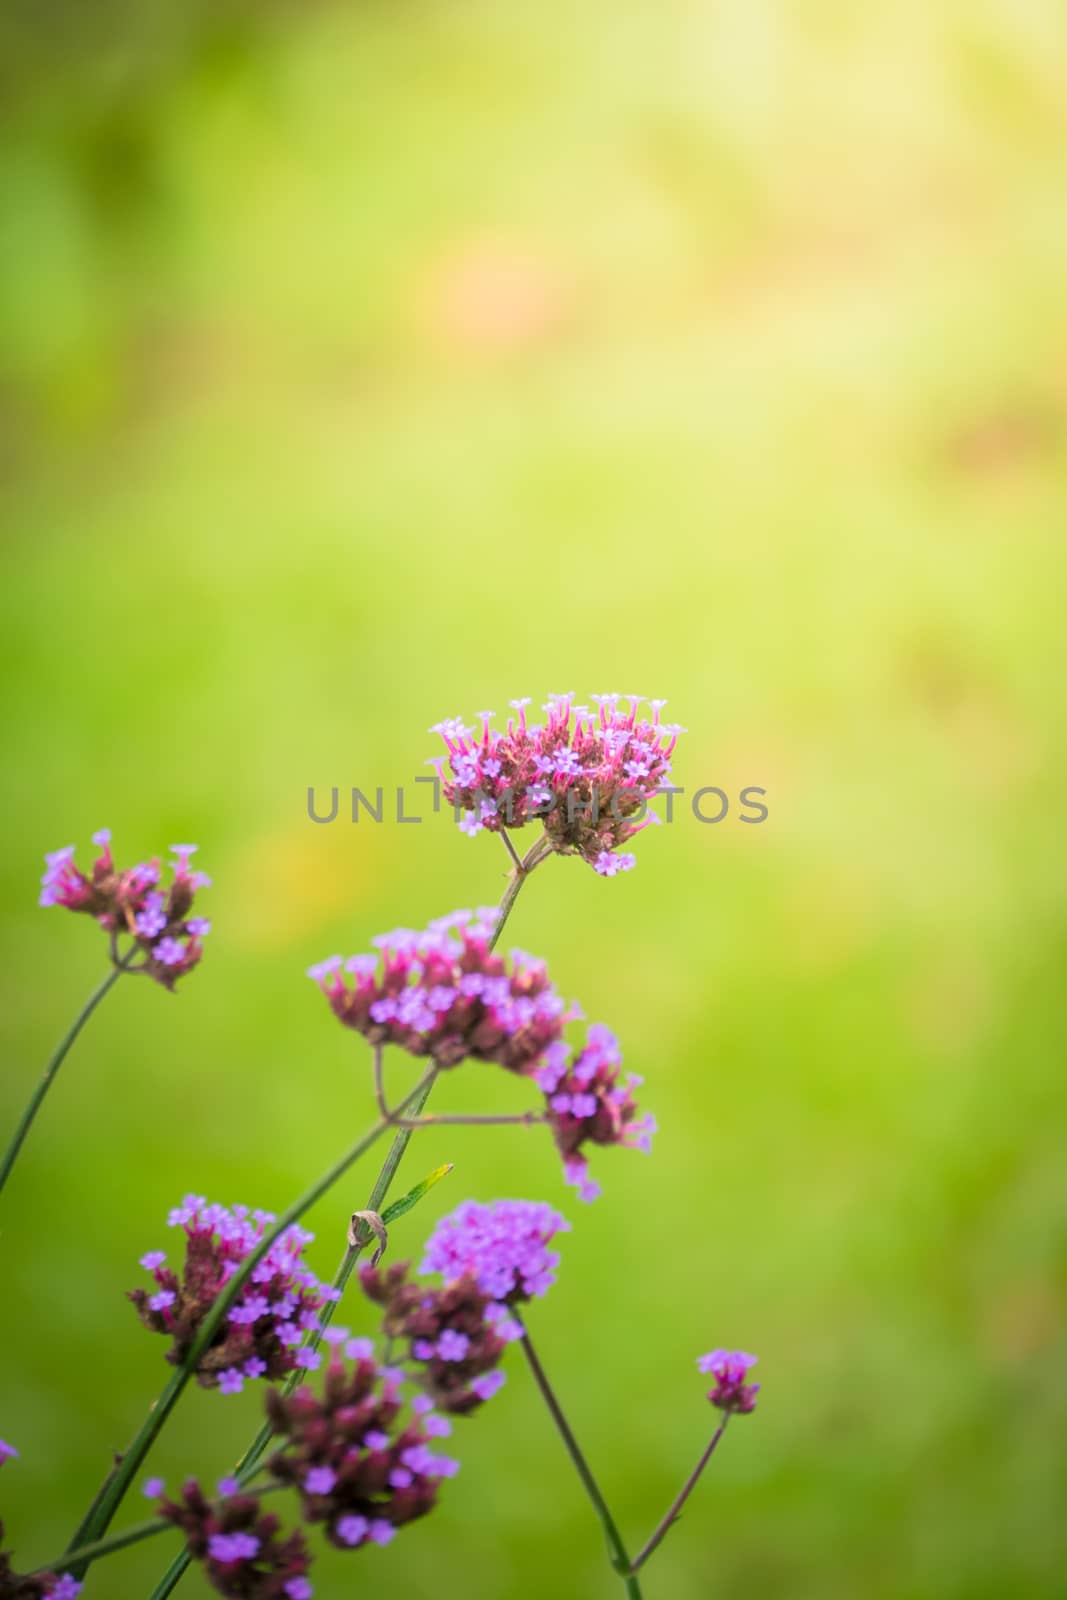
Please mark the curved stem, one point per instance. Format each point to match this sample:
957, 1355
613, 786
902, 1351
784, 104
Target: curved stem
58, 1057
99, 1516
414, 1103
521, 1119
675, 1511
134, 1534
511, 850
620, 1561
518, 876
249, 1462
106, 1547
459, 1120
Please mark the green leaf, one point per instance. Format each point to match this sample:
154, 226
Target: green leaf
413, 1196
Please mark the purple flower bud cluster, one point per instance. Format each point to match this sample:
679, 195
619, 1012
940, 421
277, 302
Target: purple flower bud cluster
242, 1549
503, 1245
455, 1336
443, 993
491, 1257
728, 1367
360, 1458
132, 903
588, 775
264, 1329
588, 1102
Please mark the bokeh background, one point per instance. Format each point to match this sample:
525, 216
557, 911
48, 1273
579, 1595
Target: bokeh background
368, 363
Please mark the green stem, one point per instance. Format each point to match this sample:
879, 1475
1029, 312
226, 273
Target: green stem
58, 1057
98, 1518
134, 1534
252, 1456
620, 1560
106, 1547
665, 1526
250, 1460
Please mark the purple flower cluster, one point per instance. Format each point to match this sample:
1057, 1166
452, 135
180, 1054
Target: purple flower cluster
132, 903
443, 993
360, 1459
587, 775
503, 1245
728, 1368
264, 1329
242, 1549
588, 1102
455, 1336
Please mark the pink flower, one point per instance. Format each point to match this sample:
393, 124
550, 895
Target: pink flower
731, 1392
586, 775
443, 993
167, 941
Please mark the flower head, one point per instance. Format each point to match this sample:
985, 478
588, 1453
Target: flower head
504, 1245
130, 903
262, 1331
360, 1459
586, 774
443, 993
731, 1392
7, 1451
589, 1101
455, 1335
242, 1549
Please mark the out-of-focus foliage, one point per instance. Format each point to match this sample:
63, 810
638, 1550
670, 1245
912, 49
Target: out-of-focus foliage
362, 364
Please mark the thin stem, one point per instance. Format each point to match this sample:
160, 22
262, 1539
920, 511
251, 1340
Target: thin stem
106, 1547
249, 1462
99, 1517
676, 1509
533, 858
415, 1102
620, 1561
58, 1056
524, 1119
135, 1534
511, 850
248, 1465
460, 1120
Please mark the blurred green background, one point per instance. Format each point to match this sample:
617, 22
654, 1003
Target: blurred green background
364, 364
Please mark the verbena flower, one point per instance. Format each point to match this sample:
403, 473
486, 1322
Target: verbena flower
360, 1458
588, 1101
454, 1337
443, 993
504, 1245
133, 903
264, 1328
587, 775
728, 1368
243, 1550
7, 1451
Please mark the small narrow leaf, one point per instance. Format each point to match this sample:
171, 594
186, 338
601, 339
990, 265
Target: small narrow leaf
413, 1196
